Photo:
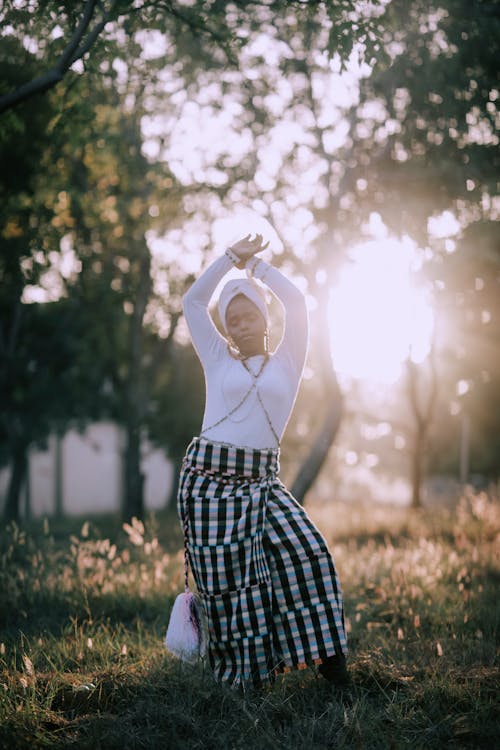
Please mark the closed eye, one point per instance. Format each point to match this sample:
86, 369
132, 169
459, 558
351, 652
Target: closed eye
251, 317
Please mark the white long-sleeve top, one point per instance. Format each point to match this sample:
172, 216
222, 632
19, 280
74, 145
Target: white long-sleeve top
226, 378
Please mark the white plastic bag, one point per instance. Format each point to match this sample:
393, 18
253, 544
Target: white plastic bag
186, 637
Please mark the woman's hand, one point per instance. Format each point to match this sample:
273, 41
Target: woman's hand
247, 248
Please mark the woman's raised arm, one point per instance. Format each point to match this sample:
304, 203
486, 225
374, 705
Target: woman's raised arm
295, 337
206, 338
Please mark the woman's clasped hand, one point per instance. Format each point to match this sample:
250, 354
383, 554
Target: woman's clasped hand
247, 247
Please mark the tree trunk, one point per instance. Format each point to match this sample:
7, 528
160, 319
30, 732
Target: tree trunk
136, 395
417, 470
133, 504
465, 449
19, 464
332, 398
58, 476
422, 401
311, 466
27, 490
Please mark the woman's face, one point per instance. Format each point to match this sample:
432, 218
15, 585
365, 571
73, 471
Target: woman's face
245, 326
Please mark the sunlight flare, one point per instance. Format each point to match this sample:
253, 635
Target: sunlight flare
378, 316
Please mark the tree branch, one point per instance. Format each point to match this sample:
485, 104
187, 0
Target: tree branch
73, 51
66, 58
84, 48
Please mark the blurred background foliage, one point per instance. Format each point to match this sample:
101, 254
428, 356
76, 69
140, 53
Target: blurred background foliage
128, 128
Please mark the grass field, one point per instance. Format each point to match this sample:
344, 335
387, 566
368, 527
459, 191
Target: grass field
84, 608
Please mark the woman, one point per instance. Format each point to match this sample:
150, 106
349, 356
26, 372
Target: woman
265, 577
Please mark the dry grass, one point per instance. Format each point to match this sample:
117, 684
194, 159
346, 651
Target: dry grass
83, 614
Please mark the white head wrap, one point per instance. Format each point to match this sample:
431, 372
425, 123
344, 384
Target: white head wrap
250, 289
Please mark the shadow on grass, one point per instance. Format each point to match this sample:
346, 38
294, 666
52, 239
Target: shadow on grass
168, 705
52, 613
172, 706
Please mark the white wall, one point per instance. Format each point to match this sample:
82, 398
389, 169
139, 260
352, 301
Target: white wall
92, 473
158, 474
42, 478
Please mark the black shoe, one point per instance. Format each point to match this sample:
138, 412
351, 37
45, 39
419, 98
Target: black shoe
334, 670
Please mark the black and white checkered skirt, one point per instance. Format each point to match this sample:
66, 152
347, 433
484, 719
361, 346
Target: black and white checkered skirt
264, 574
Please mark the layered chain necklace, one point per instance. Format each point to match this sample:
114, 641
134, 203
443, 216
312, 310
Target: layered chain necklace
254, 376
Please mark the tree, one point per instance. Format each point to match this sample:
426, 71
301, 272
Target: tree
30, 382
307, 27
86, 29
78, 32
42, 384
90, 193
422, 399
301, 45
469, 301
102, 213
423, 154
114, 196
177, 410
416, 146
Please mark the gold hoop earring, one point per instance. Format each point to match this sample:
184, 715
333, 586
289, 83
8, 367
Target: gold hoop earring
233, 349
